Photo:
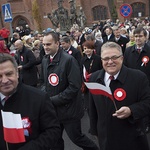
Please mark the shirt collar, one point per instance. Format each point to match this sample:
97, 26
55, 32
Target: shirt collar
67, 49
2, 96
108, 75
51, 57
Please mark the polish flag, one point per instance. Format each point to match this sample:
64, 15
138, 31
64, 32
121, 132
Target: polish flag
86, 75
13, 128
99, 89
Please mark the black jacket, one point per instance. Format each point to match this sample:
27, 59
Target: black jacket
121, 134
76, 54
133, 59
62, 80
28, 74
37, 107
122, 42
93, 64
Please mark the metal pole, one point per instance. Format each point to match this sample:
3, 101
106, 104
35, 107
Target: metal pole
11, 30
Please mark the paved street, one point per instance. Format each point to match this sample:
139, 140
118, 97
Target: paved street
85, 127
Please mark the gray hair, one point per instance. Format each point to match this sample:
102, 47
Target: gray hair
111, 45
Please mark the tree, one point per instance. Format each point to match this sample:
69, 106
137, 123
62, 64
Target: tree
36, 14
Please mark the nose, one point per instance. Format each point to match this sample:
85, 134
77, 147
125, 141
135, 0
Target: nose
4, 79
110, 60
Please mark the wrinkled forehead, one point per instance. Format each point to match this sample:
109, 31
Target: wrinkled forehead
110, 51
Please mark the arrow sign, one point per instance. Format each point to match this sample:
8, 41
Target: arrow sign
7, 12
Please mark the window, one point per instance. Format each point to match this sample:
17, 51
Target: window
99, 12
138, 9
21, 22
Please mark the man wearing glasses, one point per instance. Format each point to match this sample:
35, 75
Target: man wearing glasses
137, 57
120, 127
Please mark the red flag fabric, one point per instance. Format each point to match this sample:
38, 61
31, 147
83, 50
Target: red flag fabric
99, 89
13, 128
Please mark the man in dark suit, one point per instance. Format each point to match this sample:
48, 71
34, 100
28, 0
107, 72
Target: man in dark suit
119, 39
26, 64
109, 34
118, 123
62, 80
40, 125
137, 57
66, 45
79, 36
97, 44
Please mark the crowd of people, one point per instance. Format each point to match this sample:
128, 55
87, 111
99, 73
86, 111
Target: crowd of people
44, 75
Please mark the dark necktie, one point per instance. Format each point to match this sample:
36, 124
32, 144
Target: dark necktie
139, 50
4, 100
111, 77
51, 59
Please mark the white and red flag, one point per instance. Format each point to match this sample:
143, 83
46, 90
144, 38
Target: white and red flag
99, 89
86, 75
13, 128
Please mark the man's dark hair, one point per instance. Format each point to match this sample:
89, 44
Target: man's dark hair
139, 30
55, 35
90, 37
65, 39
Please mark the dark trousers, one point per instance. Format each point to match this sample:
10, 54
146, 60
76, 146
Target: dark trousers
73, 130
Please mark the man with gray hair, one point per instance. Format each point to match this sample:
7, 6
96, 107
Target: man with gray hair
118, 122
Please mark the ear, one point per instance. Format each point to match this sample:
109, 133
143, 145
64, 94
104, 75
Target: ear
17, 74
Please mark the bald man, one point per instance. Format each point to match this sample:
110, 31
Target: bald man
26, 64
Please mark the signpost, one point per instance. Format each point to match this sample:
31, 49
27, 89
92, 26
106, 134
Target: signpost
6, 9
125, 10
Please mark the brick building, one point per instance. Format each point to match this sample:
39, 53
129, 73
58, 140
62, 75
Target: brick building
94, 10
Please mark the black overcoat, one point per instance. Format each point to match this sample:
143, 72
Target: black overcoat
121, 134
62, 80
28, 74
36, 107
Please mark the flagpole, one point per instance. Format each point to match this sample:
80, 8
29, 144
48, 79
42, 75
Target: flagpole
7, 146
115, 105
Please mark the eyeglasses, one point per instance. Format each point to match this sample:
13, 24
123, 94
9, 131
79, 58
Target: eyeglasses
113, 58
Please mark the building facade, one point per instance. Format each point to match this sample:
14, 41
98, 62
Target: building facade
34, 12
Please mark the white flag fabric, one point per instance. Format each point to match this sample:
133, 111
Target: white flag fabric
99, 89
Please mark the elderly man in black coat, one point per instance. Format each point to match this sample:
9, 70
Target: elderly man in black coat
26, 64
118, 123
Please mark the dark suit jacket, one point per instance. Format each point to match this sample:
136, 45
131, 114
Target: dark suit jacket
97, 46
114, 133
28, 74
96, 63
37, 108
105, 38
133, 59
122, 42
76, 54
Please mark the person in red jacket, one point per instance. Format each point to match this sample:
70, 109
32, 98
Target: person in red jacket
5, 34
3, 47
